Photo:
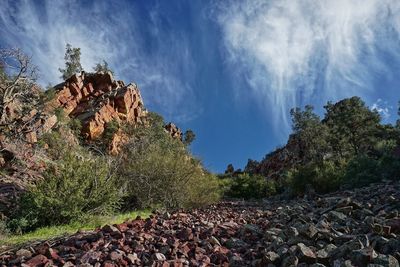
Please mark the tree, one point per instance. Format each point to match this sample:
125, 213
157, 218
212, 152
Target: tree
102, 67
398, 120
189, 137
353, 126
72, 62
229, 169
17, 76
309, 134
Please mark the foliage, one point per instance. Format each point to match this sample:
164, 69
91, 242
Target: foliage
250, 186
102, 67
188, 137
158, 170
110, 129
49, 232
72, 59
18, 95
310, 135
348, 147
353, 127
229, 169
76, 126
76, 187
251, 166
48, 95
322, 178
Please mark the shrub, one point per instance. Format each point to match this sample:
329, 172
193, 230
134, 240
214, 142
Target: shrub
250, 186
362, 171
76, 126
71, 190
111, 128
158, 170
323, 177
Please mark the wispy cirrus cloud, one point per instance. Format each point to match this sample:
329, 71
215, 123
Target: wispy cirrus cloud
382, 108
110, 31
294, 52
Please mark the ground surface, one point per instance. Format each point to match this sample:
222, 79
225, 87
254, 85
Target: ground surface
351, 228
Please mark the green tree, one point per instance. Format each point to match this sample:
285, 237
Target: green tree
102, 67
353, 127
309, 135
72, 59
188, 137
229, 169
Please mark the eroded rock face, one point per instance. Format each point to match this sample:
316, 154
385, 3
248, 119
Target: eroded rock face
301, 232
96, 99
173, 130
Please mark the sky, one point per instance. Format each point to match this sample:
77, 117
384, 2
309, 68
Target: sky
229, 70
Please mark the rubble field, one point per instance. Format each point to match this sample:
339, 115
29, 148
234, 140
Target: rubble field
347, 228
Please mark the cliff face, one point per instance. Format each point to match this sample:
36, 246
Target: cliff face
97, 99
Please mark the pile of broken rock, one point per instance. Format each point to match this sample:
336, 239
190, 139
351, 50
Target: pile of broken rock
349, 228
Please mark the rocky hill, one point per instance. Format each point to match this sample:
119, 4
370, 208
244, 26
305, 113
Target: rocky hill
96, 100
351, 228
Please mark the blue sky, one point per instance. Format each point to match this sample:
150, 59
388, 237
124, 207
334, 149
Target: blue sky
229, 70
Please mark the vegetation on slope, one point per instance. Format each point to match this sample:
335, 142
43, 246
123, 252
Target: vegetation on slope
81, 181
349, 147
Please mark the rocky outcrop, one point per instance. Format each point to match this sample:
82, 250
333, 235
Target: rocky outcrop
20, 166
351, 228
97, 99
173, 130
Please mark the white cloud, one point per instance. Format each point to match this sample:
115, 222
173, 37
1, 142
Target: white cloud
292, 52
107, 31
382, 108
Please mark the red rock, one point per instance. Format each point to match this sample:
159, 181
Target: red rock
38, 260
109, 100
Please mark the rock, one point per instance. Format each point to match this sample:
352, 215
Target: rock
23, 253
275, 232
363, 257
112, 230
235, 243
386, 260
38, 260
173, 130
90, 257
159, 257
323, 255
96, 99
31, 137
270, 257
308, 230
305, 254
337, 216
290, 261
214, 241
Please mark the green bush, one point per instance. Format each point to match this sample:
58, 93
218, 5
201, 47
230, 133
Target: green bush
362, 171
111, 128
76, 126
249, 186
158, 170
72, 189
323, 177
